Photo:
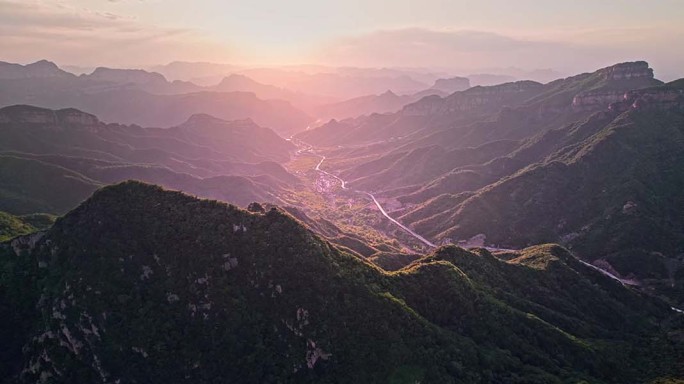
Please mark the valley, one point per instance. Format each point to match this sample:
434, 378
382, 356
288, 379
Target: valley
351, 210
305, 149
518, 232
442, 186
310, 150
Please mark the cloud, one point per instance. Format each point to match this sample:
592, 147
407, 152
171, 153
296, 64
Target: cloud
26, 15
469, 50
52, 29
65, 34
427, 47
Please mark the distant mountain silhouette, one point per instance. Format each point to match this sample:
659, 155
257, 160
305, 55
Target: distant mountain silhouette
44, 151
365, 105
39, 69
139, 97
452, 84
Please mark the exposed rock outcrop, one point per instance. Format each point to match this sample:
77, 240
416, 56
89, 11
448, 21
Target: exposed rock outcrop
656, 99
76, 117
25, 114
26, 242
631, 70
616, 80
451, 85
592, 100
39, 69
476, 99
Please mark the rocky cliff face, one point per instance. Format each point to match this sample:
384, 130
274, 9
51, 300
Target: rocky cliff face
624, 71
39, 69
76, 117
616, 80
646, 99
477, 99
657, 99
665, 97
661, 99
24, 114
593, 100
451, 85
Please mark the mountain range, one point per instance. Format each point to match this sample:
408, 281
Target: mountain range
518, 232
116, 94
588, 161
52, 160
132, 105
112, 299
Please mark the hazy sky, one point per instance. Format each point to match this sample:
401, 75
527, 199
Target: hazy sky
460, 35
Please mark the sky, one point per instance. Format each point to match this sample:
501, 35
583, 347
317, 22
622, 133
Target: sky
455, 35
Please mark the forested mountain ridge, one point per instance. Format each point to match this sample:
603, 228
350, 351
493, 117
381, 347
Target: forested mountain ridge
590, 161
139, 283
608, 188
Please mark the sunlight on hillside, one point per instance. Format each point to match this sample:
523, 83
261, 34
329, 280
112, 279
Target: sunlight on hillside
339, 192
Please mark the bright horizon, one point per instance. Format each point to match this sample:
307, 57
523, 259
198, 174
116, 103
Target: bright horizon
455, 36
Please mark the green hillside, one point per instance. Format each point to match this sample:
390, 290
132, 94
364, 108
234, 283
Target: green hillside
613, 195
29, 186
12, 226
139, 284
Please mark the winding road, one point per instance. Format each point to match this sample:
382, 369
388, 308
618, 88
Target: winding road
603, 271
426, 241
382, 210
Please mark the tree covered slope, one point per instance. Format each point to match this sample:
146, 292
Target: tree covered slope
610, 190
139, 284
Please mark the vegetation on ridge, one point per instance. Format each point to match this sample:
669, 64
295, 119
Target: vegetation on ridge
144, 284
